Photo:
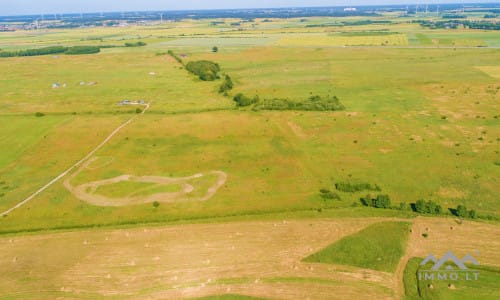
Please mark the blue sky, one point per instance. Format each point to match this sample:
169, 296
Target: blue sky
17, 7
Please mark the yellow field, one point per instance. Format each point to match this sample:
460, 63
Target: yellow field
321, 40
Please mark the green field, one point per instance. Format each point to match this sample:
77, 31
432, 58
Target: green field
395, 117
421, 121
378, 247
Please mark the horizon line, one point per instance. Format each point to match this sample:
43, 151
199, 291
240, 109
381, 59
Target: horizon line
248, 8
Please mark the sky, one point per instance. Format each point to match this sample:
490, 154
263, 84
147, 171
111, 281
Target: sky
22, 7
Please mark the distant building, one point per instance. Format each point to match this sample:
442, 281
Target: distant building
56, 85
350, 9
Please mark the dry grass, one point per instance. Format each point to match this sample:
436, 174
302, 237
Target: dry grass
255, 258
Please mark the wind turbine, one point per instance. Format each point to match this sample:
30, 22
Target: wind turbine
161, 18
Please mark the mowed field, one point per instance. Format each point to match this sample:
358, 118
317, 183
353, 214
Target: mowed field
421, 122
262, 259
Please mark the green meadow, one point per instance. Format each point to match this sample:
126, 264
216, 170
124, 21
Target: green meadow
378, 247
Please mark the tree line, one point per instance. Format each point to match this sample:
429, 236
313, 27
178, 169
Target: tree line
53, 50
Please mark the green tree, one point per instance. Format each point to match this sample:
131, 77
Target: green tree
215, 49
420, 206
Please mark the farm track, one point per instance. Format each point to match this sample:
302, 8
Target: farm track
88, 156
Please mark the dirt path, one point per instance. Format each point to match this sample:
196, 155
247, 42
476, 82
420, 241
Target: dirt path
86, 191
108, 138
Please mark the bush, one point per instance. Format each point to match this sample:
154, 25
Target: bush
215, 49
227, 85
404, 206
39, 114
242, 100
461, 211
77, 50
356, 187
382, 201
429, 207
313, 103
329, 195
177, 58
138, 110
138, 44
204, 69
156, 204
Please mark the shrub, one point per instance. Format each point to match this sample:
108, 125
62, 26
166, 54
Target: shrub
313, 103
76, 50
178, 59
39, 114
242, 100
156, 204
215, 49
462, 211
356, 187
403, 206
35, 52
138, 110
329, 195
429, 207
382, 201
472, 214
226, 85
138, 44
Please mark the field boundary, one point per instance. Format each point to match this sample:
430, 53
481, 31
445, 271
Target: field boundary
89, 155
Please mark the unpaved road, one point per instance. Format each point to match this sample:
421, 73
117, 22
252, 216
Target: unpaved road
106, 140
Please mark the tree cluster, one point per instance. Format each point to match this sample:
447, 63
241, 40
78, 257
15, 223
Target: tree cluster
454, 24
381, 201
242, 100
53, 50
428, 207
204, 69
313, 103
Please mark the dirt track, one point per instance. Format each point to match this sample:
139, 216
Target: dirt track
89, 155
86, 191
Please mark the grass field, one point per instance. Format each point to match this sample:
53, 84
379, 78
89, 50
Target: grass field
378, 247
243, 185
483, 288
